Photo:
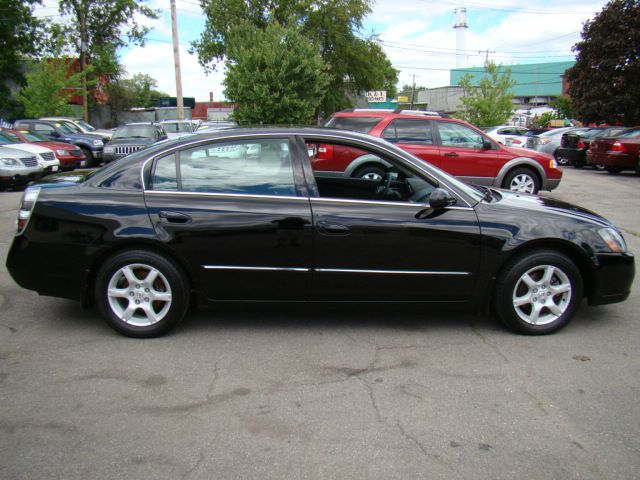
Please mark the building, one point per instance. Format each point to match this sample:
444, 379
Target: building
536, 83
442, 99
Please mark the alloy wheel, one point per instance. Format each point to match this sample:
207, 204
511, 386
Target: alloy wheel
522, 183
542, 294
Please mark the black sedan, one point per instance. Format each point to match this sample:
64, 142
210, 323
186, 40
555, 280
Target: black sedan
243, 215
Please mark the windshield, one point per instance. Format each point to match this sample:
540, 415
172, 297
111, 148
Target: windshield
85, 125
633, 133
177, 127
33, 137
135, 131
66, 129
5, 140
12, 137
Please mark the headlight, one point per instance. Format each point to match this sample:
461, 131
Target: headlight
63, 153
613, 239
98, 143
10, 162
107, 150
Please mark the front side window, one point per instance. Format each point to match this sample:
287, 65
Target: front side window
252, 167
409, 131
460, 136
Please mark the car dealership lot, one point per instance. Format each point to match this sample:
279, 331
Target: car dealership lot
310, 391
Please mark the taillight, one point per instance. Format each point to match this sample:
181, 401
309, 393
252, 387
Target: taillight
617, 147
544, 141
28, 201
581, 144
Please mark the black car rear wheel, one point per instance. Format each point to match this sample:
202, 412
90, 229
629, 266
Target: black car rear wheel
539, 292
613, 170
141, 293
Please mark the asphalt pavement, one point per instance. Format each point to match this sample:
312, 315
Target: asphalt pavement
321, 391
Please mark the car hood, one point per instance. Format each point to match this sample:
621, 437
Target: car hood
525, 201
57, 145
27, 147
114, 142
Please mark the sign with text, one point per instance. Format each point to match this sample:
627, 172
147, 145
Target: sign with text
377, 96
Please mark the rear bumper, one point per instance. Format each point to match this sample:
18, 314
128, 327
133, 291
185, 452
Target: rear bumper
613, 278
574, 155
612, 159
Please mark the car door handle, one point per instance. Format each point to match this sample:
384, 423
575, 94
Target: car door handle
174, 217
327, 228
451, 154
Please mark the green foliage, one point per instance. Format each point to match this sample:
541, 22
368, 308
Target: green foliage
48, 88
488, 103
603, 84
275, 75
137, 91
355, 64
563, 106
543, 120
18, 35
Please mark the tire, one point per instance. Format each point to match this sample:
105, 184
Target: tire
578, 164
598, 167
562, 161
524, 298
89, 160
123, 289
613, 170
370, 172
522, 180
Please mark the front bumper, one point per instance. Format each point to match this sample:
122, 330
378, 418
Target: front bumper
551, 184
19, 176
613, 278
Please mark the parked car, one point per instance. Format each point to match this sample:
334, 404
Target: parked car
244, 215
45, 156
80, 126
575, 143
508, 135
69, 156
616, 153
17, 167
178, 128
132, 138
547, 141
208, 126
452, 145
91, 145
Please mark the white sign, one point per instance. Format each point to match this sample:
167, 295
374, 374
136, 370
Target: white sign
377, 96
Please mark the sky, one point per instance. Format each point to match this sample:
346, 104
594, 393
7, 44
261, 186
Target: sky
417, 35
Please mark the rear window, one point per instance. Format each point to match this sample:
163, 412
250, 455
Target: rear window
355, 124
634, 133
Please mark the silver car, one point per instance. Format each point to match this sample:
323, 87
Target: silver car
547, 142
17, 167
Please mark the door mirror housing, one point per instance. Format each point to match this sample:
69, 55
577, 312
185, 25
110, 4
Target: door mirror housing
486, 144
440, 199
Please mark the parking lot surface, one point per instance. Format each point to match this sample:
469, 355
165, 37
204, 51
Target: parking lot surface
324, 391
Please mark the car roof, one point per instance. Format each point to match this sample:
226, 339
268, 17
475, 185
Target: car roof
386, 113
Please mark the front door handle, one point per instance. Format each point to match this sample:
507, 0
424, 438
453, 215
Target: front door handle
327, 228
174, 217
451, 154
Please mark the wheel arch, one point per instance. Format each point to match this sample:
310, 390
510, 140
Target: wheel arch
104, 254
366, 160
520, 162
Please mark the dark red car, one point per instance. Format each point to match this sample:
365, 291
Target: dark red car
450, 144
70, 156
616, 153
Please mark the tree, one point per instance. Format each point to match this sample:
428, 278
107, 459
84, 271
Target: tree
18, 35
49, 85
487, 102
603, 83
99, 27
137, 91
355, 64
564, 106
274, 75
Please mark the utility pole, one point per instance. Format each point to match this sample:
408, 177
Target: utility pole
413, 91
176, 60
83, 60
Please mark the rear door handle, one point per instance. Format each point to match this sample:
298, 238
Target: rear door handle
451, 154
327, 228
174, 217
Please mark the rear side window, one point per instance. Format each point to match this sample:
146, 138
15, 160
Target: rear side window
355, 124
251, 167
409, 131
165, 174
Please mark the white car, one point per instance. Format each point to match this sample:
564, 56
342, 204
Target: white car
45, 156
178, 128
81, 126
508, 135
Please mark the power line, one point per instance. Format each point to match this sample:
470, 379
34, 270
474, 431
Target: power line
435, 52
501, 8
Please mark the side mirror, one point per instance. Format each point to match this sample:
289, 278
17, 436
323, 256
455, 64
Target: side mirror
440, 199
55, 134
486, 144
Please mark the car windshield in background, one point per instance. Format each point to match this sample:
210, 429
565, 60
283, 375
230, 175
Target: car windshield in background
66, 128
4, 140
177, 127
85, 125
135, 131
355, 124
32, 137
633, 133
11, 136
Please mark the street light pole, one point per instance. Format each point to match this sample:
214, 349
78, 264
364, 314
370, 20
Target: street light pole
176, 60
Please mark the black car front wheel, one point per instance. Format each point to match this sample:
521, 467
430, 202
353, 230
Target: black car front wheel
539, 292
141, 293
